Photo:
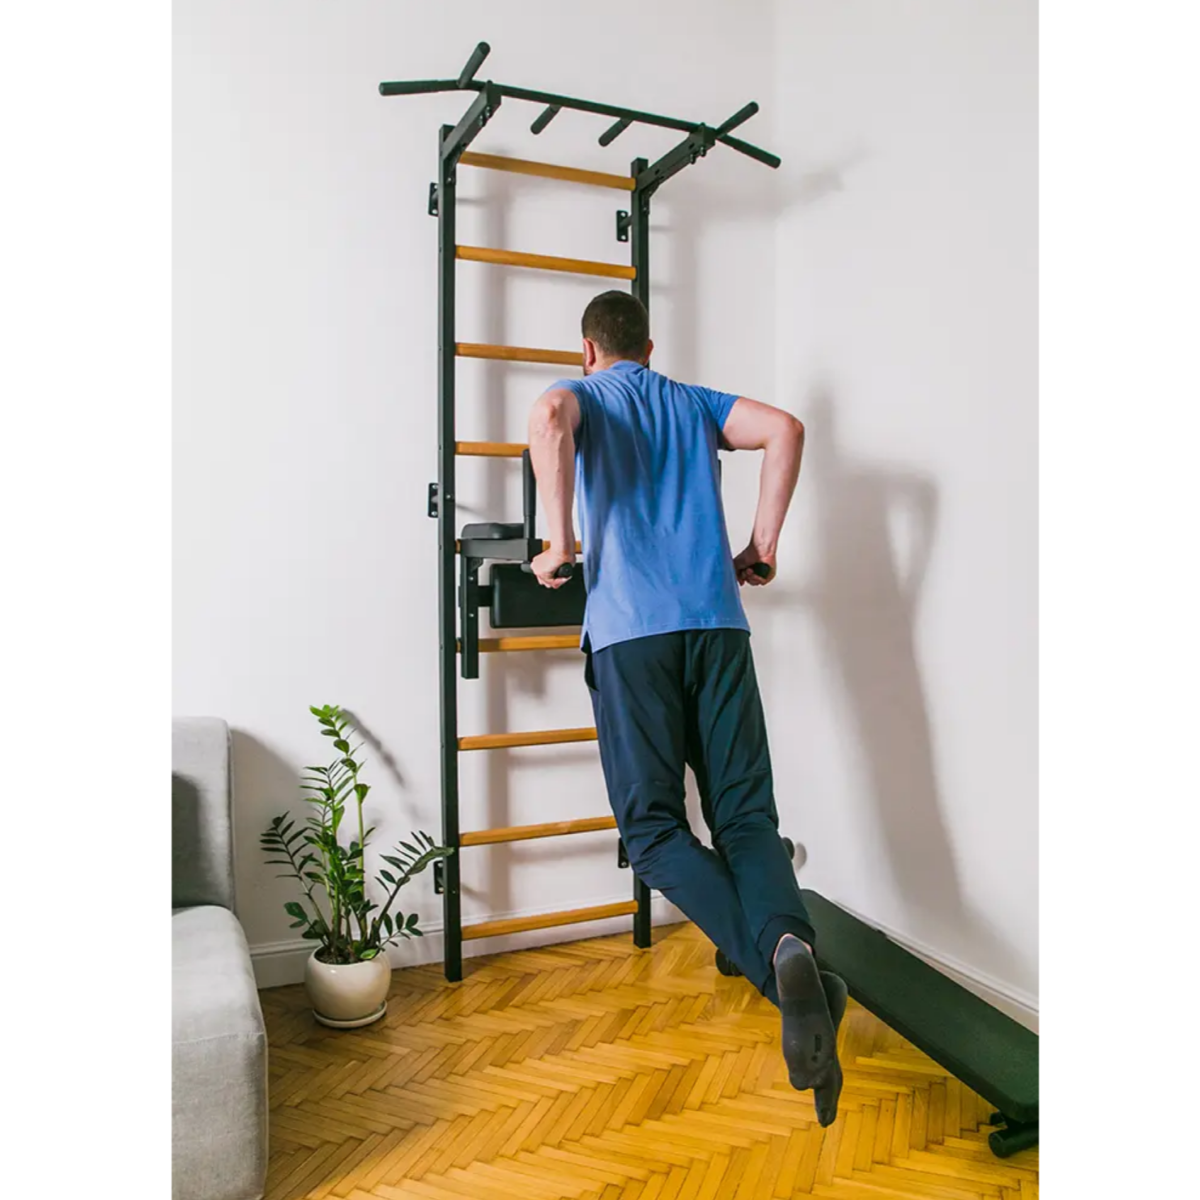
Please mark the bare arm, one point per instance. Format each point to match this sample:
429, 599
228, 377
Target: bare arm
552, 425
780, 436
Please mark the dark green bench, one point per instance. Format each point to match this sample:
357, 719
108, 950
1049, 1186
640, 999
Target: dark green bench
987, 1050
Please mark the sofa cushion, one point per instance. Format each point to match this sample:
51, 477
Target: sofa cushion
219, 1060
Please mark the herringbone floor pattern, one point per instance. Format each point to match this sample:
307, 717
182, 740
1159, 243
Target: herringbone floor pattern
593, 1070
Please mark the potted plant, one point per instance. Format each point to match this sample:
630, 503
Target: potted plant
347, 975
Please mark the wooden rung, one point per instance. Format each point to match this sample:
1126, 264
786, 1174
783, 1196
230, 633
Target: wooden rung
555, 641
522, 166
574, 916
564, 358
545, 737
543, 262
490, 449
526, 833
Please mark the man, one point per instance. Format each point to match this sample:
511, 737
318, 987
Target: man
669, 667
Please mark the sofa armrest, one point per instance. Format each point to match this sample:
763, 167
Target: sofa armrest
201, 813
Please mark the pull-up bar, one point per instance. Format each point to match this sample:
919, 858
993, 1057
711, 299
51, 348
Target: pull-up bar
701, 136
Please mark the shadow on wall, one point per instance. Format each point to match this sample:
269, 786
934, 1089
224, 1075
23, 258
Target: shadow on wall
866, 604
264, 785
702, 197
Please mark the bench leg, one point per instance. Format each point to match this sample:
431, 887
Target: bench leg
1011, 1136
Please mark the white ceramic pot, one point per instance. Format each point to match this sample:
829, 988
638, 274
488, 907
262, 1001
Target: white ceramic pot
348, 995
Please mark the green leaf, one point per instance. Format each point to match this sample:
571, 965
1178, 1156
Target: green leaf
392, 861
411, 923
387, 923
293, 909
312, 933
341, 744
330, 733
361, 790
411, 849
388, 877
367, 955
297, 924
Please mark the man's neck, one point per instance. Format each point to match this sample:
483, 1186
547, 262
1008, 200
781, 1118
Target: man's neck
604, 364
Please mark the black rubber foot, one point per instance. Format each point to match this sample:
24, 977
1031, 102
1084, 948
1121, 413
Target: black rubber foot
726, 967
1012, 1138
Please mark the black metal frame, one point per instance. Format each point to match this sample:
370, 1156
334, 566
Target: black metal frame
623, 117
460, 589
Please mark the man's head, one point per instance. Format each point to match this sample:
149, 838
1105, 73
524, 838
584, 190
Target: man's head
615, 326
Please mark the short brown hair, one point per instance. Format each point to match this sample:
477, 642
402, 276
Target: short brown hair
619, 325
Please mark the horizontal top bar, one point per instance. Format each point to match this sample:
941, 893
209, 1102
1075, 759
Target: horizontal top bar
524, 166
419, 86
543, 262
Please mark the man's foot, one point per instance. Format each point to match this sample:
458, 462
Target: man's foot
827, 1090
809, 1034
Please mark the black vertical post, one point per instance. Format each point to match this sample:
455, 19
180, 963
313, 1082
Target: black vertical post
448, 681
639, 247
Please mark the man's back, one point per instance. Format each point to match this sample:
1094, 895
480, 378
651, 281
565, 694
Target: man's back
656, 551
671, 675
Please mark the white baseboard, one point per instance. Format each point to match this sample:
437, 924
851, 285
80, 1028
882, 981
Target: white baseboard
277, 964
1019, 1005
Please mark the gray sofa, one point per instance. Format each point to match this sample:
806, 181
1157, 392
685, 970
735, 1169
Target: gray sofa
219, 1044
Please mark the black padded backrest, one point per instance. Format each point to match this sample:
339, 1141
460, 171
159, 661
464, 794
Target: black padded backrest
519, 601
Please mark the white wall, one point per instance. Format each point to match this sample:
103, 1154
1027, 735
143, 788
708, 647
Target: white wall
305, 383
880, 285
906, 338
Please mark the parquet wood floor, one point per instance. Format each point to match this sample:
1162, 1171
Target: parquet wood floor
595, 1071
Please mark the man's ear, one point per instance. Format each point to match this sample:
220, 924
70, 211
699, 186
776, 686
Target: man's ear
649, 351
590, 354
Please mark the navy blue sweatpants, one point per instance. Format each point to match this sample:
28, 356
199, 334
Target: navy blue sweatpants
692, 698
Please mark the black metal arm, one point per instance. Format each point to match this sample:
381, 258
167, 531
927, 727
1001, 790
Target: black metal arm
623, 117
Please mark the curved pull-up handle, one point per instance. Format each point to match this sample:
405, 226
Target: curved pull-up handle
416, 87
615, 130
763, 156
545, 117
738, 118
564, 570
474, 63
